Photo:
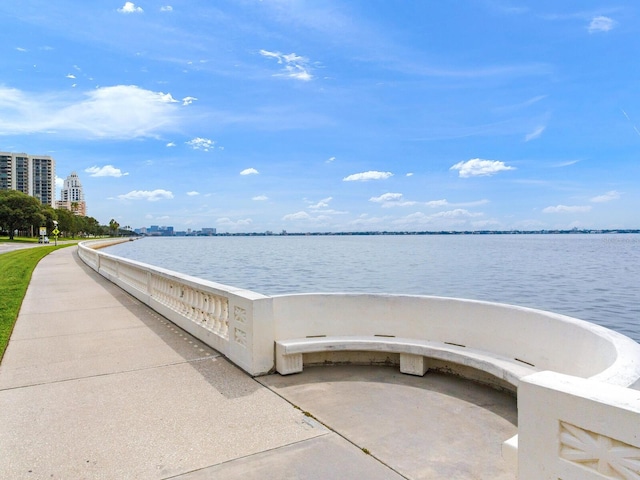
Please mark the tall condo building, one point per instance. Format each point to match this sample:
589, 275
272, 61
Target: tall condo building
72, 196
34, 175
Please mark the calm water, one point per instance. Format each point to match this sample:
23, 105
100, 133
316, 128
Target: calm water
592, 277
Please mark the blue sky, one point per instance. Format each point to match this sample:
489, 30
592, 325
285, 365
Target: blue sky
327, 115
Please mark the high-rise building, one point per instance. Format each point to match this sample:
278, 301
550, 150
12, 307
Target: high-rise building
72, 196
34, 175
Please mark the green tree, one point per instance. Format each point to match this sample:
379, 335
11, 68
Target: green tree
50, 214
66, 221
93, 226
19, 211
114, 227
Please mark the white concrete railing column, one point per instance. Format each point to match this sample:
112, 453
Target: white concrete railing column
577, 429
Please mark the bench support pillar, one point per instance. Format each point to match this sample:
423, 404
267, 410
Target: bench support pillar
287, 364
413, 364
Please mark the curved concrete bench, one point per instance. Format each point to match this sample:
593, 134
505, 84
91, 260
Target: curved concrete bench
496, 341
414, 355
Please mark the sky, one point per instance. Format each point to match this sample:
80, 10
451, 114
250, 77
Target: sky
327, 115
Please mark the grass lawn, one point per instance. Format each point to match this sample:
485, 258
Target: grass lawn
15, 273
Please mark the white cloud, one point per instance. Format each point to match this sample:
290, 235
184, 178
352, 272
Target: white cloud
171, 144
331, 160
478, 168
324, 203
71, 75
117, 112
106, 171
601, 24
20, 49
437, 203
260, 198
392, 200
59, 182
366, 176
193, 193
410, 174
188, 100
457, 213
567, 209
565, 164
294, 66
535, 134
297, 216
130, 7
151, 196
167, 8
249, 171
607, 197
447, 219
199, 143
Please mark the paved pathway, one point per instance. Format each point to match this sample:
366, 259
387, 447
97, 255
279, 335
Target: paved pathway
96, 385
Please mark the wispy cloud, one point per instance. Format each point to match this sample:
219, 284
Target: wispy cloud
331, 160
171, 144
607, 197
294, 66
477, 167
304, 216
151, 196
565, 164
518, 106
249, 171
568, 209
70, 75
630, 121
324, 203
535, 134
601, 24
106, 171
193, 194
260, 198
366, 176
388, 200
130, 7
200, 143
117, 112
166, 8
188, 100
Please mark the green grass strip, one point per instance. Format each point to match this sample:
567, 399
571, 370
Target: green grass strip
16, 268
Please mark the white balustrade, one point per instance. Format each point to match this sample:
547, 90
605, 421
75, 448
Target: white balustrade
199, 307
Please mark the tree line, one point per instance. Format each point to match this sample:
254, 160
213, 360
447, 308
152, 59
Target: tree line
26, 214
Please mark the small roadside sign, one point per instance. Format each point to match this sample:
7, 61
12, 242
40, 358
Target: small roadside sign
56, 232
43, 231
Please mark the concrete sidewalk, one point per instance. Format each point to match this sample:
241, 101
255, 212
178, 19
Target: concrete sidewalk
96, 385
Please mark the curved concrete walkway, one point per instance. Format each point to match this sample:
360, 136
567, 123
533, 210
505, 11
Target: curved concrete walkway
96, 385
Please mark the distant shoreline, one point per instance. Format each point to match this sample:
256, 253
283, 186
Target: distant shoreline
453, 232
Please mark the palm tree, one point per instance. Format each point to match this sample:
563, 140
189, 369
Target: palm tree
114, 227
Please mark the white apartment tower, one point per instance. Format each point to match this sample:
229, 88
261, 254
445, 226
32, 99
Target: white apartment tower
72, 196
31, 174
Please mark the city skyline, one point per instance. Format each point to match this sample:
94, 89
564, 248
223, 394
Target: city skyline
257, 116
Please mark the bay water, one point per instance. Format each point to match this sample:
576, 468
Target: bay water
592, 277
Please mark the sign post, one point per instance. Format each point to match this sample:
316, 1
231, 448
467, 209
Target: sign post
55, 232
